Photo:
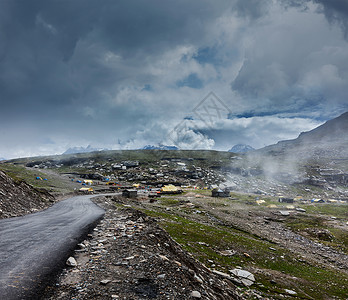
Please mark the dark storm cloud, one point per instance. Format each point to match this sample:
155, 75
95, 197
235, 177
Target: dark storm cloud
63, 62
296, 69
50, 55
336, 11
51, 51
79, 72
252, 9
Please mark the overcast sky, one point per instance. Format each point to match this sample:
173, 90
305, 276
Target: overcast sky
196, 74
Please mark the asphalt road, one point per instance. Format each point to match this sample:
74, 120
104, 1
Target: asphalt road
34, 248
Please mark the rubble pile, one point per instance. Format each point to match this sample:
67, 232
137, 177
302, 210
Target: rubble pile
19, 198
129, 257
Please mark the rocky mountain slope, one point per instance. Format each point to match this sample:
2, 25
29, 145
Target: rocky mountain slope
19, 198
328, 140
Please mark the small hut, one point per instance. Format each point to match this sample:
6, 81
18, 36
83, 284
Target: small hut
130, 193
220, 193
285, 200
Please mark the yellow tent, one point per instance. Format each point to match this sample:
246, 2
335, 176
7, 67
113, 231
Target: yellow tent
86, 190
136, 185
258, 202
88, 181
170, 189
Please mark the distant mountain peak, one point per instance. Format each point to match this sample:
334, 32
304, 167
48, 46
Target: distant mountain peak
87, 149
159, 147
241, 148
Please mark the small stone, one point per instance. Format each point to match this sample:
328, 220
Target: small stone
196, 294
300, 209
161, 276
284, 213
105, 281
227, 252
163, 257
222, 274
71, 262
129, 258
198, 279
203, 243
290, 292
244, 276
178, 263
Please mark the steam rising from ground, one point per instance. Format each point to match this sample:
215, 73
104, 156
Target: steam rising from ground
286, 168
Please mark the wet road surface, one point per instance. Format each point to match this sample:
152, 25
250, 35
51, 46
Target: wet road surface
34, 248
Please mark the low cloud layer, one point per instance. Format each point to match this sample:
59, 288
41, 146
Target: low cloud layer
120, 74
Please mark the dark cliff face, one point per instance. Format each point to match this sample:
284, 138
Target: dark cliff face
19, 198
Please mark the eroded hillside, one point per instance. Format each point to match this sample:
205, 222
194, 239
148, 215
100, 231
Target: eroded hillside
19, 198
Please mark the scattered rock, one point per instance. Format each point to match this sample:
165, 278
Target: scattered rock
244, 276
284, 213
129, 258
81, 245
163, 257
196, 294
178, 263
222, 274
198, 279
227, 252
105, 281
71, 262
290, 292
